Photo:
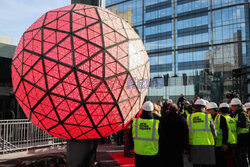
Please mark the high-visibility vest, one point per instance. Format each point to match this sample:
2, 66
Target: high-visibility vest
218, 130
239, 129
199, 129
186, 112
231, 124
232, 134
145, 136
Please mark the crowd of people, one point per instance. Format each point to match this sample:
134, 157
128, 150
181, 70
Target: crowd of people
209, 134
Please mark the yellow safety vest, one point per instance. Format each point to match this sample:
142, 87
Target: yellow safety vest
186, 112
239, 129
199, 129
145, 135
231, 124
218, 130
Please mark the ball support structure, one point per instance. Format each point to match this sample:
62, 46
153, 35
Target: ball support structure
75, 72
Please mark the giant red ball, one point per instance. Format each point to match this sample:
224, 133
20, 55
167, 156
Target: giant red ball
80, 72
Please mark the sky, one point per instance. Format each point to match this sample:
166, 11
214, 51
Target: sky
17, 15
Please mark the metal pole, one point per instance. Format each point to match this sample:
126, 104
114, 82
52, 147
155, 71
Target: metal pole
174, 19
143, 20
3, 138
185, 90
7, 134
211, 23
27, 137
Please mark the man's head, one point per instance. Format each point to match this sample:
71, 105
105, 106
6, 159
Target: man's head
235, 104
200, 104
173, 108
224, 108
211, 108
148, 106
186, 103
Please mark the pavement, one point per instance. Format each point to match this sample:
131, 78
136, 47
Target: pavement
109, 155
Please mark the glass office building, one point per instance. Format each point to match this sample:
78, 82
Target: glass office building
193, 45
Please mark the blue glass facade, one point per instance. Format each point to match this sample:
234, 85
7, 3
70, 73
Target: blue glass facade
204, 39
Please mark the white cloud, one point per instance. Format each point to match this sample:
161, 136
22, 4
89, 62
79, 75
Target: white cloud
17, 15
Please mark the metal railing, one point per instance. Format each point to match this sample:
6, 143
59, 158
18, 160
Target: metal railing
21, 134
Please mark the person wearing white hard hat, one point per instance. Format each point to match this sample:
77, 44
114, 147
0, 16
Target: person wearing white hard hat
202, 136
200, 103
232, 133
212, 109
145, 144
240, 156
225, 127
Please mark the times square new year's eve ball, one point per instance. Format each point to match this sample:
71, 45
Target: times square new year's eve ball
80, 72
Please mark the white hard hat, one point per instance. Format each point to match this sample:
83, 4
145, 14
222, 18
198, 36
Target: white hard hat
207, 102
170, 101
247, 105
224, 105
148, 106
200, 102
186, 102
211, 105
235, 101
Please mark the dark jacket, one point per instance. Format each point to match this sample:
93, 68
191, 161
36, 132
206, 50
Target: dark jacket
156, 116
189, 109
173, 139
164, 108
180, 101
147, 115
224, 128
